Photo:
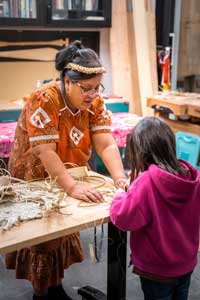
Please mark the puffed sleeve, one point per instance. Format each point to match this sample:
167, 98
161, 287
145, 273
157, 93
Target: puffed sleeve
101, 118
42, 117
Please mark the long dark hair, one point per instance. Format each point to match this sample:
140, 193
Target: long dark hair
76, 53
153, 142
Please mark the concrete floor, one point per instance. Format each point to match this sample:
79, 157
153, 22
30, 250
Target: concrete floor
86, 273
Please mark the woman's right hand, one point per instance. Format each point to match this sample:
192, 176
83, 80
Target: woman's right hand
86, 193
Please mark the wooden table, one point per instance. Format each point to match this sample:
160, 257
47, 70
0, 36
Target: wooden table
181, 105
80, 218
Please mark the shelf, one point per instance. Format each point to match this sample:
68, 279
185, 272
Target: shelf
59, 13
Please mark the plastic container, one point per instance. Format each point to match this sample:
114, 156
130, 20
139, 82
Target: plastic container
188, 147
117, 106
10, 115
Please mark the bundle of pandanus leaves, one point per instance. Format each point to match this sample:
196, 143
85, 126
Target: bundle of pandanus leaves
23, 200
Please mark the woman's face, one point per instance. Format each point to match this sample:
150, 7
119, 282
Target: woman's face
80, 94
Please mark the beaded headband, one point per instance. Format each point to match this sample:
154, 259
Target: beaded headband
85, 70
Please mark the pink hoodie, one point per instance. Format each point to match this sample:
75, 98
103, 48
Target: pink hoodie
162, 211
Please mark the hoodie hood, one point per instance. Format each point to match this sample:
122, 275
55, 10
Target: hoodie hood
176, 188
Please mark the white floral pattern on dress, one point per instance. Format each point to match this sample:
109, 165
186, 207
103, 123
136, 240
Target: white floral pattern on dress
40, 118
76, 135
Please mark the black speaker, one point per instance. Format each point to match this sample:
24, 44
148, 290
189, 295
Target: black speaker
89, 293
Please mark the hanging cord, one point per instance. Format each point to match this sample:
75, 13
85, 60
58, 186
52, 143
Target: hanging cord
97, 249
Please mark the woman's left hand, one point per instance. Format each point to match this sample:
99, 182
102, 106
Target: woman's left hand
85, 193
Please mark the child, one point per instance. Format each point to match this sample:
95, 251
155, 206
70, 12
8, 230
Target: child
161, 209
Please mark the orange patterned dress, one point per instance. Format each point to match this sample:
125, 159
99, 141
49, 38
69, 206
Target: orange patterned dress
47, 119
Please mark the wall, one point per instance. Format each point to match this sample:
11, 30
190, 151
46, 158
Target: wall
17, 78
189, 48
104, 53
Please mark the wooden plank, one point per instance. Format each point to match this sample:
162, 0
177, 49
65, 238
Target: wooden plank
179, 98
105, 57
57, 225
177, 108
39, 54
194, 110
189, 63
136, 38
119, 53
59, 43
143, 51
151, 19
135, 101
183, 126
179, 103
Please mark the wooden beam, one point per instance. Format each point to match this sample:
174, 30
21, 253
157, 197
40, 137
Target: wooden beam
119, 53
104, 52
135, 102
189, 63
123, 58
144, 29
39, 54
183, 126
59, 43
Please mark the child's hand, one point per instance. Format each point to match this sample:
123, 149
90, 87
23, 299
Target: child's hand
122, 184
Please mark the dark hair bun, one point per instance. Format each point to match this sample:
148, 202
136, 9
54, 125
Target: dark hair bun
77, 44
66, 55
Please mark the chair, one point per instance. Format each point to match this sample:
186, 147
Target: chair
188, 147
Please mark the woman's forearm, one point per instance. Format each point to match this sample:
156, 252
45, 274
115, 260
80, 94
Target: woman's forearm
112, 160
56, 168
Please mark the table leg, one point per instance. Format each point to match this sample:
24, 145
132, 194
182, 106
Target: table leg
116, 274
116, 269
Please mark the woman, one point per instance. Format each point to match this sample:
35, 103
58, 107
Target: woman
59, 124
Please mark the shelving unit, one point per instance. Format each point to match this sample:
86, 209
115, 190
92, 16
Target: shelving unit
26, 23
55, 13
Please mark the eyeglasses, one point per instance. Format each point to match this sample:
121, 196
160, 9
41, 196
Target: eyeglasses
87, 90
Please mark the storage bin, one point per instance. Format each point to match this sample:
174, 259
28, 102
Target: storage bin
10, 115
113, 106
188, 147
117, 106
